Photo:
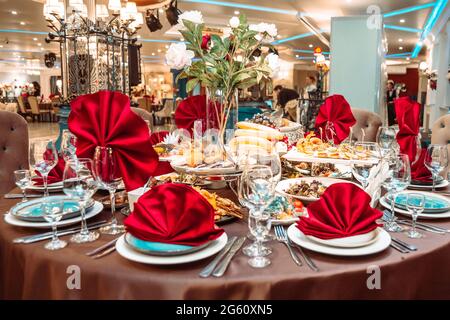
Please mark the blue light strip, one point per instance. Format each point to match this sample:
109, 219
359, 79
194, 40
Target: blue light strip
22, 31
409, 9
298, 36
305, 58
24, 51
413, 30
398, 55
160, 41
432, 19
309, 51
243, 6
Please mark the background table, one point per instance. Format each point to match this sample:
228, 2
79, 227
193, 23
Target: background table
31, 272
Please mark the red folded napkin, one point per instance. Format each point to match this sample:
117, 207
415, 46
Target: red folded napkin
191, 109
418, 170
343, 210
164, 167
335, 115
105, 119
173, 213
55, 175
408, 118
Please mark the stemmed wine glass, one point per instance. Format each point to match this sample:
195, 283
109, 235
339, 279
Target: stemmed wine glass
385, 140
398, 179
436, 160
256, 191
68, 145
367, 152
79, 184
415, 203
53, 210
22, 178
43, 158
104, 171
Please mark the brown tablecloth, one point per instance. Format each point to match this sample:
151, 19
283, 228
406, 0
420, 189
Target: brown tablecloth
31, 272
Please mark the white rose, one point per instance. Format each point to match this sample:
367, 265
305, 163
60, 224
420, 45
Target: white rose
270, 28
234, 22
226, 32
177, 57
266, 31
273, 61
194, 16
254, 27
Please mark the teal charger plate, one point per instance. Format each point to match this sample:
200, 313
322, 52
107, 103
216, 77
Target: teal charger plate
433, 204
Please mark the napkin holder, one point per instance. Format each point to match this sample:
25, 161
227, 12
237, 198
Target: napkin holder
134, 195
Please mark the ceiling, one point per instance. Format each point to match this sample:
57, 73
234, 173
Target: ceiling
22, 42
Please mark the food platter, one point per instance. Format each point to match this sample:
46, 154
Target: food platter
296, 156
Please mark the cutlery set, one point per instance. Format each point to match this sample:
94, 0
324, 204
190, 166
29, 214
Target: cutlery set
419, 225
103, 250
219, 265
402, 246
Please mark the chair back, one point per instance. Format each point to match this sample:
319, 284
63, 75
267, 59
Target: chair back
33, 104
366, 121
21, 103
167, 109
147, 116
13, 148
440, 134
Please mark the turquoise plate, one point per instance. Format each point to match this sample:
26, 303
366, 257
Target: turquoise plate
159, 248
433, 204
31, 210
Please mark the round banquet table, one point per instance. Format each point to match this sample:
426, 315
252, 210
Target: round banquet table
28, 271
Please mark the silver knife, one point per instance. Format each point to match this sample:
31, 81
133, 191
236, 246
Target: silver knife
307, 259
222, 267
48, 235
398, 248
421, 227
405, 245
19, 196
426, 225
206, 272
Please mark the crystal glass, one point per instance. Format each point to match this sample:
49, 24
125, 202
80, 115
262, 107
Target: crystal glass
68, 145
362, 170
271, 160
256, 192
53, 210
415, 203
23, 180
436, 160
104, 171
398, 179
385, 140
43, 158
80, 184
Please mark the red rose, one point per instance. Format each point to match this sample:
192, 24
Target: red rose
205, 41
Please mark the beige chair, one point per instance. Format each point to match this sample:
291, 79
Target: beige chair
23, 110
440, 134
369, 122
13, 148
147, 116
291, 109
166, 111
36, 112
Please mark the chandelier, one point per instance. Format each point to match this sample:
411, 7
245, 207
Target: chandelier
95, 41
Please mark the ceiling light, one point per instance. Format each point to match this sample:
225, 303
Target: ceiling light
400, 48
402, 20
408, 58
1, 46
153, 53
167, 46
39, 44
22, 23
114, 5
236, 12
311, 45
297, 56
14, 12
34, 39
159, 50
400, 40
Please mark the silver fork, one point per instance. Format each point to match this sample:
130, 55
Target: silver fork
307, 259
282, 237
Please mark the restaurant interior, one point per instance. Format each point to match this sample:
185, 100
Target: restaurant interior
231, 150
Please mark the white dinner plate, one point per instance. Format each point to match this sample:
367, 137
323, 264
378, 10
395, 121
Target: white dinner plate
360, 240
10, 219
442, 184
285, 184
443, 215
128, 253
52, 187
382, 242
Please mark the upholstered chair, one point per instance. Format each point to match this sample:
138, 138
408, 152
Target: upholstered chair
369, 122
13, 148
440, 134
144, 115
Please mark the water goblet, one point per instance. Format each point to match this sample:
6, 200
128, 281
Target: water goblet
361, 166
385, 139
43, 158
436, 160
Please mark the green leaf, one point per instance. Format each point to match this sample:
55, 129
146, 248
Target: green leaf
191, 84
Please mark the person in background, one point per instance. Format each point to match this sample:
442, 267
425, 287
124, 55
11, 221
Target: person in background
310, 86
284, 96
391, 95
36, 92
